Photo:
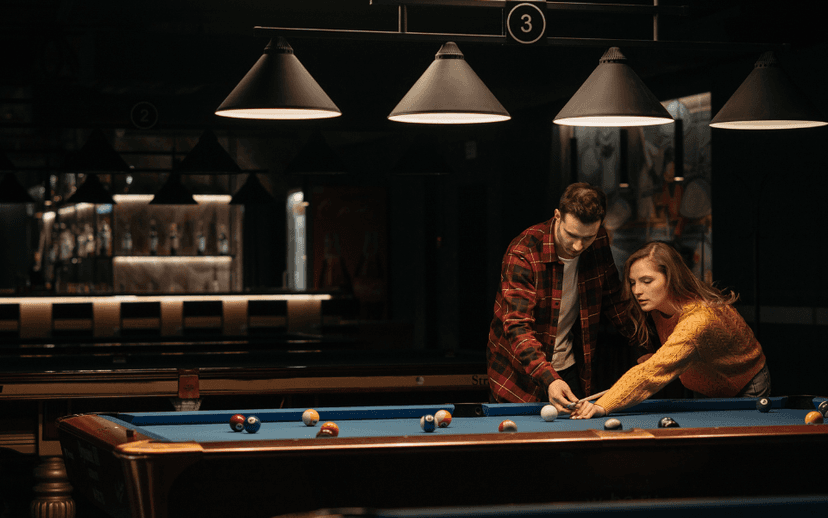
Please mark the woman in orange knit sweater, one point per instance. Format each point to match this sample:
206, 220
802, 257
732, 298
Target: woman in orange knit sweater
705, 342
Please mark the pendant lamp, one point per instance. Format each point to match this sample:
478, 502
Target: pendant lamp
173, 192
768, 100
278, 87
613, 95
252, 193
449, 92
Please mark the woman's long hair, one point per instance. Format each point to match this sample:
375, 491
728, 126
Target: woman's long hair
682, 285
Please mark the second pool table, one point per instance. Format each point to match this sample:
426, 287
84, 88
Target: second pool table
193, 464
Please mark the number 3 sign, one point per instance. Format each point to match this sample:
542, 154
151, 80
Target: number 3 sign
526, 22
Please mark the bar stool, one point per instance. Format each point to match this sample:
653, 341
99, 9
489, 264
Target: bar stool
202, 317
265, 317
72, 320
10, 320
140, 318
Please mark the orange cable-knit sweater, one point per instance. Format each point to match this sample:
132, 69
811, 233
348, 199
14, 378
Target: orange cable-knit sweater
711, 349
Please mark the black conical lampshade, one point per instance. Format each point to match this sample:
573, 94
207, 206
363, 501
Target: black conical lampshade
173, 192
208, 156
97, 155
768, 99
91, 191
252, 193
449, 92
278, 87
316, 157
613, 95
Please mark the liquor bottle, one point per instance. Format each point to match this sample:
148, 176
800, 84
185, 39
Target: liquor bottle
201, 240
175, 242
223, 242
153, 238
105, 240
126, 242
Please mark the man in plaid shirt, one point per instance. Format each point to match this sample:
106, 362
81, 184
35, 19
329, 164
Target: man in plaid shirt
556, 280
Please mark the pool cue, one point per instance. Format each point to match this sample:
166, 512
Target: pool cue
570, 406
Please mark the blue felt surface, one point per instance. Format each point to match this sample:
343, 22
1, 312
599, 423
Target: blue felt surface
405, 420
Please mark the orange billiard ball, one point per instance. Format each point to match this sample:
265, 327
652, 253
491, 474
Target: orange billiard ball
310, 417
330, 425
814, 418
442, 418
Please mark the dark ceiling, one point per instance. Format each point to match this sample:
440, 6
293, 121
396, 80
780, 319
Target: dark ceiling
85, 63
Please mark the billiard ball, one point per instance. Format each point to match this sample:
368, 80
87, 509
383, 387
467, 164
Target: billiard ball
814, 418
442, 418
427, 423
325, 432
612, 424
549, 413
507, 425
763, 405
667, 422
252, 424
310, 417
330, 425
823, 408
237, 423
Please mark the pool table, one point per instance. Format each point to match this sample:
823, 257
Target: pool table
193, 464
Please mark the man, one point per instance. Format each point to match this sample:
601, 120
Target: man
556, 280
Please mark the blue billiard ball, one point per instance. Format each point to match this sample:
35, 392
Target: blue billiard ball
252, 424
427, 423
763, 405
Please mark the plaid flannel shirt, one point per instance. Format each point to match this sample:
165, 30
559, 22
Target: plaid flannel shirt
525, 323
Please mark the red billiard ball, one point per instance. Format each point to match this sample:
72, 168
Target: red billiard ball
814, 418
442, 418
252, 424
237, 422
507, 425
332, 427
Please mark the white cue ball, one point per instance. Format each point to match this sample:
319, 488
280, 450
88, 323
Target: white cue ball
549, 413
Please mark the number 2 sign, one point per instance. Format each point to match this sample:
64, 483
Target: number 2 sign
525, 22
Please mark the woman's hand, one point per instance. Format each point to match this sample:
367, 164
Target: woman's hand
587, 410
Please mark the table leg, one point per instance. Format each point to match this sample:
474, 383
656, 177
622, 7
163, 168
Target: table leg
53, 493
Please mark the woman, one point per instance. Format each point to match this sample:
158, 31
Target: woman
706, 343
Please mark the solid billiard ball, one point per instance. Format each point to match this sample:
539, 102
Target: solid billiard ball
325, 432
507, 425
612, 424
310, 417
237, 422
667, 422
252, 424
823, 408
763, 405
330, 425
427, 423
442, 418
814, 418
549, 413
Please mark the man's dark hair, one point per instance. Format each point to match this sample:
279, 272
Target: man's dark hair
585, 202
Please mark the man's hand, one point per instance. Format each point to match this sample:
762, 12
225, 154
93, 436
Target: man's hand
587, 410
561, 395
